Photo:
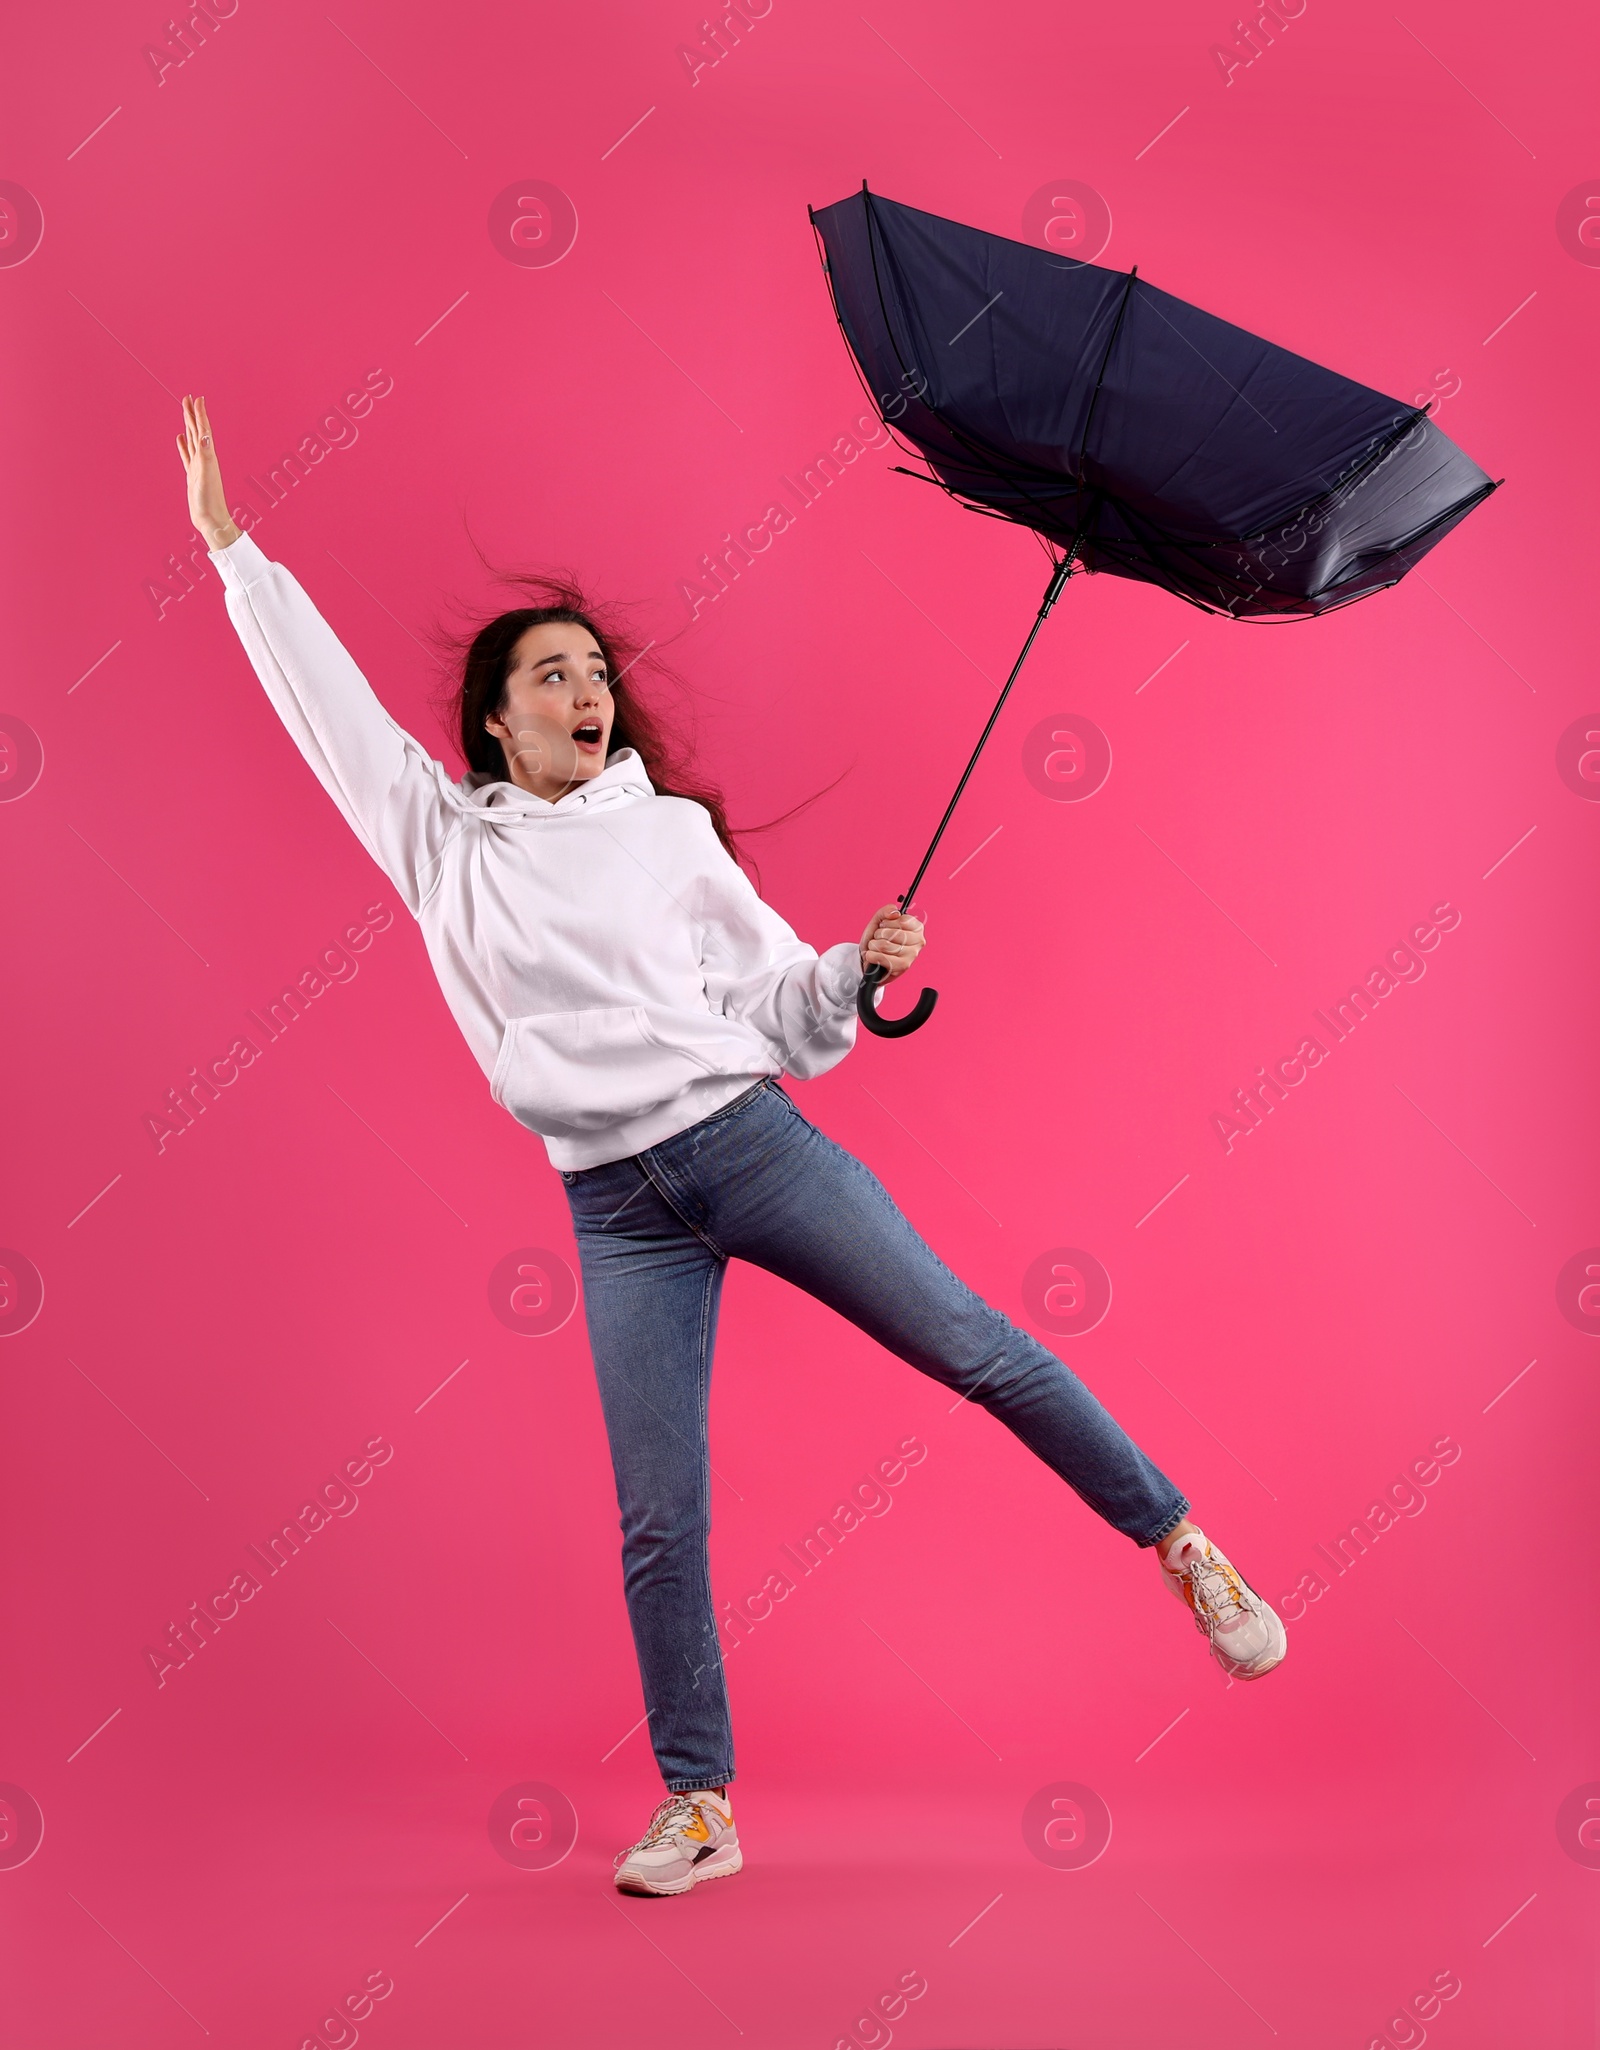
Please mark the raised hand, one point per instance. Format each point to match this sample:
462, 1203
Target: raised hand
208, 502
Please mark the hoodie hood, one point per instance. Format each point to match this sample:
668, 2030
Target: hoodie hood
621, 781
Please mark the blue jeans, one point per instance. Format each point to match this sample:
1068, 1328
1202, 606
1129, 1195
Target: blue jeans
757, 1181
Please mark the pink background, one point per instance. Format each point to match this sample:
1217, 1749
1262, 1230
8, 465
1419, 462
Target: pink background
227, 1321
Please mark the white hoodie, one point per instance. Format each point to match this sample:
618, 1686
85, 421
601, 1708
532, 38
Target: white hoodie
611, 966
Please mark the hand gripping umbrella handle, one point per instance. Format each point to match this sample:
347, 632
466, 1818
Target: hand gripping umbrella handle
890, 1028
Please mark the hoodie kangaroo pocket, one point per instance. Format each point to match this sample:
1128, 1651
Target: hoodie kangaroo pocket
563, 1072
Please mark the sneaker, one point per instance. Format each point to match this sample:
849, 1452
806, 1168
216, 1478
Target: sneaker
1247, 1636
691, 1837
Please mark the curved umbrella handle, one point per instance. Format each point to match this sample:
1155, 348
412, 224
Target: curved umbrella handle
890, 1028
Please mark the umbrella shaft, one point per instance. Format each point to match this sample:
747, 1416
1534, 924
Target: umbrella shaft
1062, 571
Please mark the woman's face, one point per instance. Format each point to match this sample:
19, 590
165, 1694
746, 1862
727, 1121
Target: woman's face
555, 724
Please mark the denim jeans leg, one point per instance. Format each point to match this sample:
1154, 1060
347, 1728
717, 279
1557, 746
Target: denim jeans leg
651, 1294
788, 1198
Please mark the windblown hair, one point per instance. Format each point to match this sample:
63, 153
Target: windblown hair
482, 659
486, 662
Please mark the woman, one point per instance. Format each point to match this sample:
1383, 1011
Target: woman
633, 1000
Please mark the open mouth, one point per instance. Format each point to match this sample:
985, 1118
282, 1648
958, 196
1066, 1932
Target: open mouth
588, 735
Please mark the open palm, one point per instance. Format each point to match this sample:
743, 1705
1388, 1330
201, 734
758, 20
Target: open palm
197, 451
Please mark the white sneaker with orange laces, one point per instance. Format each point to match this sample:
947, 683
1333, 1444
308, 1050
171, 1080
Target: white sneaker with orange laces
1247, 1635
691, 1837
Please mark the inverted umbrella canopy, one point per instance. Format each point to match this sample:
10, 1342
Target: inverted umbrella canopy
1159, 441
1137, 434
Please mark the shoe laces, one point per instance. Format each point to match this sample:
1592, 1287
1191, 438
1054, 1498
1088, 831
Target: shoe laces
1217, 1589
670, 1816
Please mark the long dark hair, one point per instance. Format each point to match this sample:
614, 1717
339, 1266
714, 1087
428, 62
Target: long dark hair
483, 660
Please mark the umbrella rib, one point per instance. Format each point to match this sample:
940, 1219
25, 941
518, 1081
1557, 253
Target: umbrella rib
957, 434
989, 458
888, 325
1116, 329
1137, 521
1011, 474
849, 346
1105, 546
850, 351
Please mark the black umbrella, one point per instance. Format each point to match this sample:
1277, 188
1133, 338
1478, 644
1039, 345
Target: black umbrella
1137, 434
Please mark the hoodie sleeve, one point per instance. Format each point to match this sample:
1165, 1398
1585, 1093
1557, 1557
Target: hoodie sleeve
390, 790
758, 970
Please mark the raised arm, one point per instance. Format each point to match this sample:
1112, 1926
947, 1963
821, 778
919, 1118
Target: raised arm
389, 789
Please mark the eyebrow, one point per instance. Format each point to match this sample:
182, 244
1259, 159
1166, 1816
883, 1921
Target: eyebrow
546, 660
